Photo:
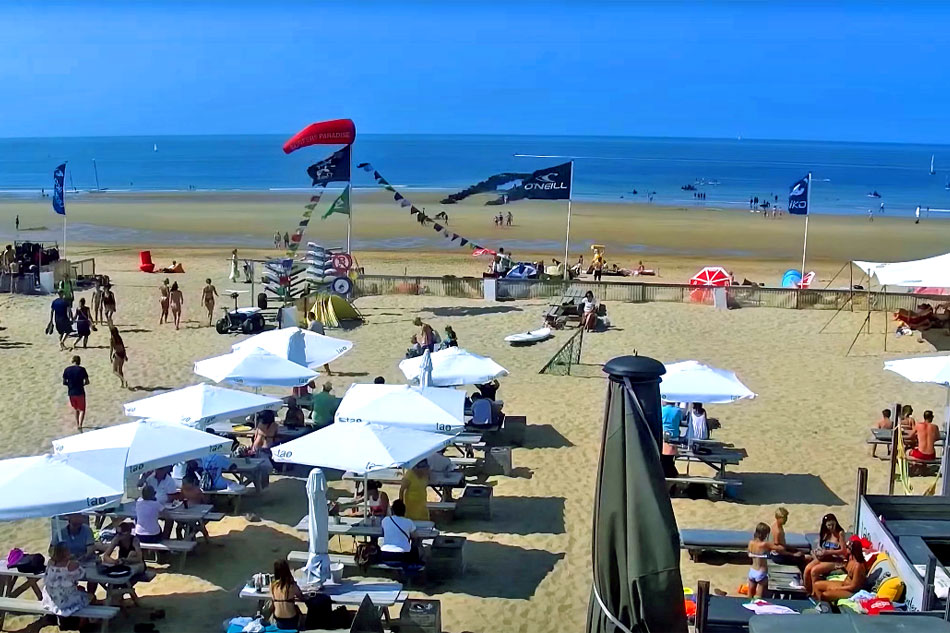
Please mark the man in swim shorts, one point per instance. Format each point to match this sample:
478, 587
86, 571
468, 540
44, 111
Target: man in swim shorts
926, 434
75, 378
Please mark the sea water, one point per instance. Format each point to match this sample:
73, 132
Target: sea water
728, 171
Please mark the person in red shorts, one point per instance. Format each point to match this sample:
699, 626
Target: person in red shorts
926, 434
75, 378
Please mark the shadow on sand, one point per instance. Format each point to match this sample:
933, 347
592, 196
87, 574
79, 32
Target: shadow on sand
460, 311
772, 488
518, 515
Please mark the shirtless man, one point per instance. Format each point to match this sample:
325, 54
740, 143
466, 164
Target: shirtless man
164, 292
208, 293
926, 434
97, 303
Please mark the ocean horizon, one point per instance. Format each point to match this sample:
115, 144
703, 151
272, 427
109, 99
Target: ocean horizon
728, 172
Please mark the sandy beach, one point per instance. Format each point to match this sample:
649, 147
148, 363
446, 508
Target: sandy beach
804, 433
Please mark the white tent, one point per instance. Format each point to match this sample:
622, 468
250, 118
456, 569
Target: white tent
933, 369
361, 448
932, 271
300, 346
254, 368
424, 408
200, 405
148, 444
454, 366
692, 381
317, 568
50, 485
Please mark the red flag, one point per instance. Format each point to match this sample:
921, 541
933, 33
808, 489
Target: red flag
335, 132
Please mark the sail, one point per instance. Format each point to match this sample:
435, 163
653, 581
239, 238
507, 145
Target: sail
932, 172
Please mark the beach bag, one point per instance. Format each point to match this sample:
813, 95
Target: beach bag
319, 612
14, 557
31, 564
366, 554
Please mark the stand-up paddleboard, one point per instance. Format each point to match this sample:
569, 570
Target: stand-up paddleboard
533, 336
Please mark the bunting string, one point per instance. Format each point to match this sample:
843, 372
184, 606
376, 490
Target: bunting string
297, 238
415, 211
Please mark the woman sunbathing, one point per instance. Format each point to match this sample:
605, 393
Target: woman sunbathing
834, 590
831, 554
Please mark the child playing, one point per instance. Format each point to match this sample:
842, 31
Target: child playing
759, 550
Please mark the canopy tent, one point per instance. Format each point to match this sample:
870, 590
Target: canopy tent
50, 485
200, 405
931, 271
361, 447
317, 568
454, 366
254, 368
692, 381
635, 546
148, 444
424, 408
300, 346
933, 369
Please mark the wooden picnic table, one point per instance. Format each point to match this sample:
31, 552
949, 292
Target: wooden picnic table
227, 429
717, 458
384, 594
357, 526
441, 482
31, 582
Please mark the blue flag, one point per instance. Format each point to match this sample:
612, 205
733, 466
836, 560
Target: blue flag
59, 200
798, 198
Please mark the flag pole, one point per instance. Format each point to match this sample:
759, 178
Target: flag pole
567, 235
807, 213
349, 216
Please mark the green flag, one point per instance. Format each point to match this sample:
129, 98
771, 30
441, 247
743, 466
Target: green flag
340, 205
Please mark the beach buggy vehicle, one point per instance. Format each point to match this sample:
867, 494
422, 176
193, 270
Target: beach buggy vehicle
244, 320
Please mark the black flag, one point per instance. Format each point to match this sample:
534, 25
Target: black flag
553, 183
798, 197
336, 168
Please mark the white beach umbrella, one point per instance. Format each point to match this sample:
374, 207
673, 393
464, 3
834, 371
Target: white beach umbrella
200, 405
453, 366
936, 370
361, 448
254, 368
317, 568
300, 346
692, 381
424, 408
50, 485
148, 444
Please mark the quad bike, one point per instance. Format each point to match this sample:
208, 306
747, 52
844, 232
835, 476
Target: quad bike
244, 320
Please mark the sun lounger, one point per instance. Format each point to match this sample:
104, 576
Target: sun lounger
34, 607
696, 541
722, 614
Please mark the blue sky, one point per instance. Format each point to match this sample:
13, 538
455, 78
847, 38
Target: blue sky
769, 70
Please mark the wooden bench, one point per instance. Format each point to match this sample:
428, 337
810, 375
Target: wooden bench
182, 548
347, 560
233, 497
34, 607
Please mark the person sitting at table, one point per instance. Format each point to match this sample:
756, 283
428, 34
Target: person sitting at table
147, 511
192, 495
830, 555
412, 491
907, 418
397, 544
924, 434
78, 537
589, 312
376, 500
672, 417
125, 549
885, 422
265, 435
834, 590
697, 428
284, 593
295, 417
415, 348
325, 405
61, 593
161, 481
488, 390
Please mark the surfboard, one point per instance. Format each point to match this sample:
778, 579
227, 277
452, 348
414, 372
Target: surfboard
529, 337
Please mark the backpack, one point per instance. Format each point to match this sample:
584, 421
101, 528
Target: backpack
31, 564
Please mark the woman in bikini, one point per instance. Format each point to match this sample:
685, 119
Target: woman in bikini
284, 592
759, 550
83, 324
108, 303
834, 590
118, 354
163, 297
830, 555
208, 293
175, 300
265, 435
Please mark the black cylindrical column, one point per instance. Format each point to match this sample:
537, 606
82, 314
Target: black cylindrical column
644, 374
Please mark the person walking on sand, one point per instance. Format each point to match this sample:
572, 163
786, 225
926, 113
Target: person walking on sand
208, 293
286, 239
164, 291
97, 302
176, 299
75, 378
233, 269
83, 324
276, 239
118, 354
61, 317
510, 218
108, 303
18, 222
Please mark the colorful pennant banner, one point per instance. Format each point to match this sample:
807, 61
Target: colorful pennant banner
421, 217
